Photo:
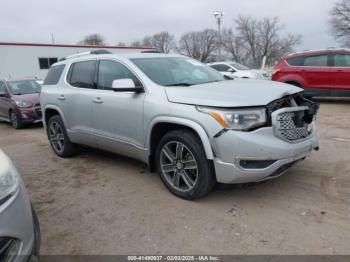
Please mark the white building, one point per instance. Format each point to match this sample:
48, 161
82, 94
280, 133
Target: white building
22, 60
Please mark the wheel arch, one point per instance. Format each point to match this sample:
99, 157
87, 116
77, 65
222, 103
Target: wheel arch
50, 111
162, 125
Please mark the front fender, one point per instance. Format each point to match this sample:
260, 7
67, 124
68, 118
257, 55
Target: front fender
184, 122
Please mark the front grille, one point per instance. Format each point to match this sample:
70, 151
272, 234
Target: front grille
289, 124
38, 111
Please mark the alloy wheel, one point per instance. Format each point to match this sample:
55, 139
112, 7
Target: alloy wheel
14, 120
179, 166
56, 136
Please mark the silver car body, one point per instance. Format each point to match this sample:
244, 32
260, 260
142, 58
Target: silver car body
122, 122
16, 215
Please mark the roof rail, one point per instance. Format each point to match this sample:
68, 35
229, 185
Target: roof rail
92, 52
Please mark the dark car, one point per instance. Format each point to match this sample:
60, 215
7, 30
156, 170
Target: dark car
319, 73
20, 102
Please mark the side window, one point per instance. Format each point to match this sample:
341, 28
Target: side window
2, 87
342, 60
54, 75
297, 61
318, 61
82, 74
221, 67
111, 70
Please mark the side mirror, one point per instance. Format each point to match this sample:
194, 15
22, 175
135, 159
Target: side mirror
231, 70
125, 85
2, 94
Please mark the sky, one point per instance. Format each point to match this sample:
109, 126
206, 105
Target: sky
128, 20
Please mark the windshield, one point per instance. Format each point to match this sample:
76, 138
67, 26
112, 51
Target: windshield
177, 71
24, 87
239, 66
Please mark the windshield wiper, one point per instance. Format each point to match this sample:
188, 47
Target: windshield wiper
180, 84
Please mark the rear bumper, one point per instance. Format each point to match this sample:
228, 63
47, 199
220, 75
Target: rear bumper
260, 145
16, 222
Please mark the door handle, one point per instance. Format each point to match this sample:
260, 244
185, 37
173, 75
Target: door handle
61, 97
98, 100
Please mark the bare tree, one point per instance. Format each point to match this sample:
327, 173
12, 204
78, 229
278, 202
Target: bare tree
248, 31
233, 45
136, 44
262, 38
163, 42
122, 44
340, 21
198, 45
93, 39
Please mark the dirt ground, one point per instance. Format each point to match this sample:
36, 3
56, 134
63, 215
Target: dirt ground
100, 203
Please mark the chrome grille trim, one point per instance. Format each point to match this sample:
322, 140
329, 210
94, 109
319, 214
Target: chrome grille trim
284, 126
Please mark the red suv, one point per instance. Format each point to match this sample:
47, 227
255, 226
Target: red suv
320, 73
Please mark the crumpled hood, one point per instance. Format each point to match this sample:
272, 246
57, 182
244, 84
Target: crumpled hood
231, 93
29, 98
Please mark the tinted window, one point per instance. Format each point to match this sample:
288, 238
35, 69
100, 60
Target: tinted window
239, 66
54, 75
297, 61
2, 87
111, 70
47, 62
221, 68
82, 74
342, 60
321, 60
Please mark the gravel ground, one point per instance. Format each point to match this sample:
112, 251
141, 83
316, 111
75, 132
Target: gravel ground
100, 203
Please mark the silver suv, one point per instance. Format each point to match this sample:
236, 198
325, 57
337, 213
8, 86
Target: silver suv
179, 116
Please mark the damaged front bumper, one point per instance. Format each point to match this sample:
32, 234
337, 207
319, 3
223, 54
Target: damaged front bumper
266, 153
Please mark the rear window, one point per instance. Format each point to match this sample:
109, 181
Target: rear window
54, 75
296, 61
82, 74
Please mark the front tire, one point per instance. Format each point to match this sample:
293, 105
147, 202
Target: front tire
58, 137
183, 166
15, 121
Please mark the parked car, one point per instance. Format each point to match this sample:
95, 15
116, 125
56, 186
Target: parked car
19, 225
236, 70
178, 116
319, 73
20, 102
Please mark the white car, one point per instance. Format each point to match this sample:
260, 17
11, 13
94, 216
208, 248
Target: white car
235, 70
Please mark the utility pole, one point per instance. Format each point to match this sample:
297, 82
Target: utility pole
52, 38
219, 16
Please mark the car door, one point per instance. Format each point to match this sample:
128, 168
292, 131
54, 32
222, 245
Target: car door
76, 101
4, 101
316, 72
118, 116
340, 77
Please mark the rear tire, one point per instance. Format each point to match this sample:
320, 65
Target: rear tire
58, 137
182, 165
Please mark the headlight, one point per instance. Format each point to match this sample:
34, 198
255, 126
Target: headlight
8, 180
23, 104
237, 119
